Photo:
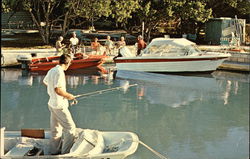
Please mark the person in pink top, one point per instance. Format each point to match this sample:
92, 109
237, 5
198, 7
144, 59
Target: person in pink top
95, 45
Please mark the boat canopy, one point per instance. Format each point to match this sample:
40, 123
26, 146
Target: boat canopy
171, 47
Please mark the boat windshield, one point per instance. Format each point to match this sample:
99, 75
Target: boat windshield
171, 50
193, 50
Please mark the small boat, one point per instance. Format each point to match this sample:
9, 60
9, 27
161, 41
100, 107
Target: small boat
94, 144
170, 55
45, 63
95, 70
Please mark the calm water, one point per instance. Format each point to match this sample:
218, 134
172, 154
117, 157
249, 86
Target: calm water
182, 117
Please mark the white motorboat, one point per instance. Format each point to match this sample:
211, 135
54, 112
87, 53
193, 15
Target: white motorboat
92, 144
170, 55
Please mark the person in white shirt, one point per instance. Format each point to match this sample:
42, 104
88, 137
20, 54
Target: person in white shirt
109, 45
74, 41
61, 121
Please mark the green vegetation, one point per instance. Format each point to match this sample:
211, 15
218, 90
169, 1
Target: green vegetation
168, 16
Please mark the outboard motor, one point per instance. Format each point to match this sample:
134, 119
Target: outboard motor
25, 60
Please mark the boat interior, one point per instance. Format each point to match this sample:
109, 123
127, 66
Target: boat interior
77, 56
36, 142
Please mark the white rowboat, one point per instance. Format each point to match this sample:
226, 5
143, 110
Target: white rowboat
113, 145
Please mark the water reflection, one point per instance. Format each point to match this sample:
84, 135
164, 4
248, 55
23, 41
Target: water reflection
140, 92
165, 89
9, 75
73, 78
156, 88
125, 85
179, 116
12, 75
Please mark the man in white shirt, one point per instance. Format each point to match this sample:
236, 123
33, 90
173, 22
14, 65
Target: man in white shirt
60, 119
74, 42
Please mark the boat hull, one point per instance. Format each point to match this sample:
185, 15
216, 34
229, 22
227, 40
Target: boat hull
168, 64
45, 64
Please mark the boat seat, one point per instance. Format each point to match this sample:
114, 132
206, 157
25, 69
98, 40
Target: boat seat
38, 61
88, 142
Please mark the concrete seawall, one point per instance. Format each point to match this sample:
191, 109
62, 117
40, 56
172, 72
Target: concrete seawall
8, 57
239, 61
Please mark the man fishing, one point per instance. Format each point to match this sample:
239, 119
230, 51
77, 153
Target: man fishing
60, 117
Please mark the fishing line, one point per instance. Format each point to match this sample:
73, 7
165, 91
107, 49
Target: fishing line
117, 145
81, 96
152, 150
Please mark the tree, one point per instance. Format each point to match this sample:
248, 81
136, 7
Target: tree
154, 13
7, 5
11, 6
65, 15
122, 10
91, 10
194, 13
180, 13
42, 12
229, 8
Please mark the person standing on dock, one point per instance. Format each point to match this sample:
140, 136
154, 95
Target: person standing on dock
109, 45
121, 43
74, 41
140, 44
61, 121
59, 45
95, 45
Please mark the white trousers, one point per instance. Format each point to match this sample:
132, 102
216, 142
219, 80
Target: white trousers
61, 124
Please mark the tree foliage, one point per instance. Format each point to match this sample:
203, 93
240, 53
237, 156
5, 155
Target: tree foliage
184, 14
164, 12
11, 5
91, 10
42, 12
228, 8
194, 10
153, 13
122, 10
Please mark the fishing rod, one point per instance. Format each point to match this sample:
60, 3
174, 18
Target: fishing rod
100, 92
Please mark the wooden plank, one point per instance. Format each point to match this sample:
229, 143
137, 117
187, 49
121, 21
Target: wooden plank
34, 133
